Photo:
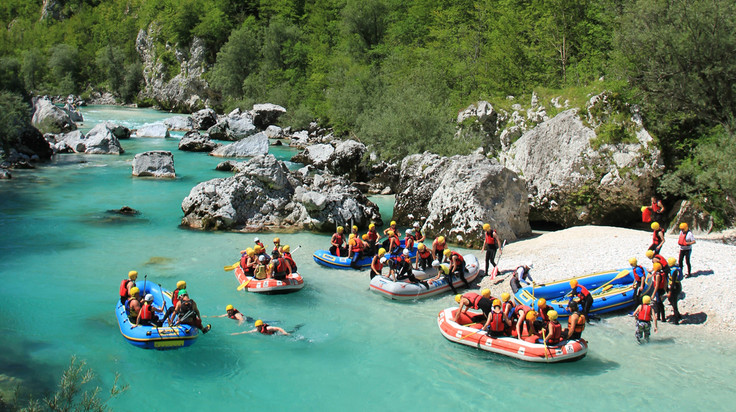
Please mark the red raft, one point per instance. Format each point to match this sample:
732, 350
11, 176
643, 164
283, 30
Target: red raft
271, 286
565, 351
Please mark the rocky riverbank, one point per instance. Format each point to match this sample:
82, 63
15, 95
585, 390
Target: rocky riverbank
710, 294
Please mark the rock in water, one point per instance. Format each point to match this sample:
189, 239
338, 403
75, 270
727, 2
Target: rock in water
156, 163
99, 140
180, 123
250, 146
155, 130
48, 118
204, 119
461, 193
195, 142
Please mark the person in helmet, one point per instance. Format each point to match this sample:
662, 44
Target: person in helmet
660, 289
521, 274
498, 324
174, 299
542, 314
472, 300
575, 322
438, 248
640, 277
657, 258
685, 243
248, 261
418, 236
276, 245
261, 271
187, 313
379, 260
443, 271
234, 314
409, 240
126, 285
553, 333
372, 240
674, 287
355, 250
286, 253
644, 319
507, 305
657, 237
583, 295
258, 242
457, 265
406, 271
133, 304
279, 268
657, 209
147, 314
337, 241
393, 243
263, 328
491, 244
391, 227
423, 259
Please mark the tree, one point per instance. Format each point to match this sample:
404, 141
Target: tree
14, 116
237, 59
32, 69
64, 65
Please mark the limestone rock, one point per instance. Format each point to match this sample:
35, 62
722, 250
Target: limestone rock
250, 146
266, 114
204, 119
317, 155
180, 123
195, 142
99, 140
156, 163
699, 221
73, 113
347, 159
119, 131
154, 130
48, 118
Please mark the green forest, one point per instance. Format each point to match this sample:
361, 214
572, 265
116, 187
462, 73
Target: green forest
394, 74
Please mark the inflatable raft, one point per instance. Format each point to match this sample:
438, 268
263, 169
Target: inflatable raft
467, 332
325, 258
292, 283
151, 337
405, 290
620, 295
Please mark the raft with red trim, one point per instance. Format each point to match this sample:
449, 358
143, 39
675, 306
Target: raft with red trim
405, 290
271, 286
466, 331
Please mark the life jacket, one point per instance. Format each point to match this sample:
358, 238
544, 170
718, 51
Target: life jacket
130, 311
662, 260
583, 293
543, 313
409, 242
260, 272
358, 246
655, 207
372, 236
508, 304
394, 242
682, 241
645, 314
175, 297
522, 308
460, 260
490, 240
288, 257
655, 236
425, 254
474, 299
556, 335
244, 261
275, 248
377, 263
146, 312
264, 329
280, 265
437, 245
337, 238
124, 288
675, 275
417, 234
637, 277
261, 245
661, 282
235, 312
579, 327
497, 324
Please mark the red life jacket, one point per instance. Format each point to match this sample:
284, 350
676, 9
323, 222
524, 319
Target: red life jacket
509, 304
583, 292
287, 256
372, 236
474, 299
682, 240
497, 324
490, 240
264, 329
244, 261
409, 242
235, 312
174, 297
280, 265
146, 312
437, 245
661, 282
358, 245
655, 236
655, 207
543, 313
377, 263
124, 288
645, 314
522, 308
261, 245
637, 278
425, 254
556, 332
461, 261
393, 242
275, 249
337, 238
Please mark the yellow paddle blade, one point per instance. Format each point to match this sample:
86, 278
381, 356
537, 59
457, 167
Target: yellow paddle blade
243, 285
470, 334
231, 267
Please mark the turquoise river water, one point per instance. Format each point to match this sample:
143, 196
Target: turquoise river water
62, 258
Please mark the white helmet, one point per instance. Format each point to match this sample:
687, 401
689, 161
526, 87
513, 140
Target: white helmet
149, 298
256, 240
416, 224
406, 252
409, 231
383, 260
261, 258
435, 263
529, 265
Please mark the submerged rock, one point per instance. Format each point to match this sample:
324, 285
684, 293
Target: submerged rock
156, 163
125, 210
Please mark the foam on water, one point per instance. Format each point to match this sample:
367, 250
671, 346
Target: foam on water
63, 258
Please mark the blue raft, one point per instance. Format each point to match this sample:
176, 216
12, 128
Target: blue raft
325, 258
151, 337
619, 296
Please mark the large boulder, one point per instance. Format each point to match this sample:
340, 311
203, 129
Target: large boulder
99, 140
317, 155
459, 194
571, 183
266, 114
480, 119
204, 119
48, 118
195, 142
180, 123
154, 130
119, 131
156, 163
73, 112
265, 195
233, 127
248, 147
338, 157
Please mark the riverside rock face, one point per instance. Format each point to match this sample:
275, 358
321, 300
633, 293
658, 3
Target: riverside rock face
571, 183
250, 146
156, 163
264, 194
266, 114
48, 118
459, 194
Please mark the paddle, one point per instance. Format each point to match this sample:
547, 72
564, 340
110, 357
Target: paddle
471, 334
546, 350
244, 284
145, 278
494, 272
619, 276
231, 267
163, 301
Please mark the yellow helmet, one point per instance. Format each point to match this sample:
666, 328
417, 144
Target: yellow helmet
441, 239
181, 284
458, 297
486, 293
671, 261
355, 228
650, 253
552, 314
365, 236
531, 315
258, 249
352, 242
646, 299
276, 240
447, 252
656, 266
496, 302
287, 248
250, 252
683, 226
542, 302
352, 236
421, 246
505, 296
381, 252
229, 307
573, 283
258, 323
633, 261
340, 229
643, 209
390, 232
655, 226
393, 223
134, 291
371, 226
486, 227
133, 275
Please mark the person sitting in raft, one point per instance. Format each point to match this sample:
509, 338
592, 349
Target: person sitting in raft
355, 250
525, 325
657, 258
187, 312
472, 300
248, 261
286, 253
660, 286
644, 318
582, 293
260, 271
438, 248
542, 314
259, 251
675, 287
279, 267
490, 245
133, 304
507, 305
337, 241
443, 271
146, 316
276, 245
497, 323
657, 238
377, 263
575, 322
263, 328
457, 265
521, 274
640, 277
391, 227
554, 329
367, 250
258, 242
174, 300
372, 240
126, 285
409, 239
233, 314
394, 243
423, 258
406, 271
418, 236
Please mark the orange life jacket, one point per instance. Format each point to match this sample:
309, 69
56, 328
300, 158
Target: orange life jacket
490, 240
497, 324
655, 207
474, 299
124, 288
556, 335
682, 241
645, 314
655, 236
579, 326
146, 312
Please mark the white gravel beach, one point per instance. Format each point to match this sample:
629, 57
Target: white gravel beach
709, 303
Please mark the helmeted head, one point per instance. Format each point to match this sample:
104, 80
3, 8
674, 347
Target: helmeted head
261, 258
505, 296
340, 229
552, 314
276, 241
133, 275
287, 249
229, 308
183, 293
352, 236
650, 254
381, 252
654, 226
496, 303
435, 263
250, 252
421, 247
256, 239
542, 302
258, 323
633, 261
529, 265
405, 252
447, 252
134, 291
486, 293
531, 315
365, 236
458, 298
656, 266
383, 260
643, 209
486, 227
417, 225
148, 298
181, 284
408, 232
573, 283
671, 261
572, 305
258, 249
683, 226
440, 239
355, 228
393, 223
371, 226
646, 300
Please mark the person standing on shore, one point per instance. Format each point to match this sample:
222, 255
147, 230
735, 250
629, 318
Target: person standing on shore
640, 278
686, 242
660, 285
490, 245
643, 316
674, 288
657, 238
438, 248
418, 236
657, 209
